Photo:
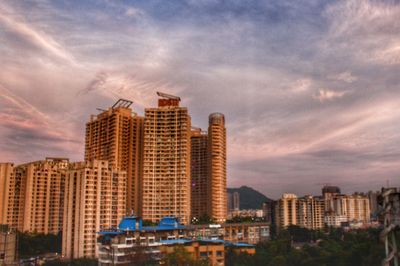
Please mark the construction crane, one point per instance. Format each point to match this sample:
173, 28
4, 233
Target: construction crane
122, 103
168, 96
390, 200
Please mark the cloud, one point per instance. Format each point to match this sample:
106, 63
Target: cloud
34, 37
365, 29
346, 76
267, 66
324, 95
133, 12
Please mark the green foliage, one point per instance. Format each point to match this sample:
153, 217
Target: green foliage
312, 248
148, 223
249, 198
238, 219
75, 262
31, 244
203, 219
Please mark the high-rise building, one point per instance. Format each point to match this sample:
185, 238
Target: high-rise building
229, 202
166, 185
235, 201
217, 167
35, 194
328, 192
6, 176
95, 199
373, 200
15, 188
356, 207
115, 135
310, 212
199, 172
286, 211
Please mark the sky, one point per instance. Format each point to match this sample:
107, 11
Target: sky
310, 89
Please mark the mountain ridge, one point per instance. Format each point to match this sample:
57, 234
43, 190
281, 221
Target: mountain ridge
249, 198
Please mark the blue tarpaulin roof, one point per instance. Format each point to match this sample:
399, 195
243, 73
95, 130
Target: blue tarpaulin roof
128, 224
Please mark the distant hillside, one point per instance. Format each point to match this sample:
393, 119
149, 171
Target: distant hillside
249, 198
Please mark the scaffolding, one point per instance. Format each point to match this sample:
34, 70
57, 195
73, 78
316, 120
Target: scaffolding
390, 200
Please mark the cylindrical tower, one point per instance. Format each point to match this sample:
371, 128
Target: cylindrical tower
217, 167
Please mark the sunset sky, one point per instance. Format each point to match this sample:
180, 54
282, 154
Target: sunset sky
310, 89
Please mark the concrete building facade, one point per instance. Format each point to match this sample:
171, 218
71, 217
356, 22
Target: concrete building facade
95, 199
8, 245
310, 212
356, 207
199, 173
6, 176
33, 195
217, 167
115, 135
166, 183
286, 211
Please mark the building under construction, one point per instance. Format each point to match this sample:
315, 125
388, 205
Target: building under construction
166, 161
115, 135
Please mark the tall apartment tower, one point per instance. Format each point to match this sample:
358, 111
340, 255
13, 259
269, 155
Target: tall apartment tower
115, 135
310, 212
34, 195
13, 208
95, 199
6, 176
166, 161
236, 201
286, 211
199, 172
44, 195
217, 167
356, 207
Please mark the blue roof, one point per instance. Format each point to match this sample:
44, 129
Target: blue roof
110, 233
175, 241
215, 241
130, 223
239, 245
166, 223
169, 221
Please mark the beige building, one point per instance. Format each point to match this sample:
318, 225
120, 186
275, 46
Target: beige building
199, 172
13, 208
310, 212
356, 207
166, 183
286, 211
217, 167
95, 199
8, 246
33, 195
115, 135
6, 176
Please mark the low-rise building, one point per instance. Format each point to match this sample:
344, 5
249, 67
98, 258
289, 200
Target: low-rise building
332, 219
131, 241
251, 233
8, 245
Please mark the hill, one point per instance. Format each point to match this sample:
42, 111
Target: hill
249, 198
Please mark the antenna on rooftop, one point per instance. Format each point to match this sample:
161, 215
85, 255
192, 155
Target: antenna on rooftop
168, 96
